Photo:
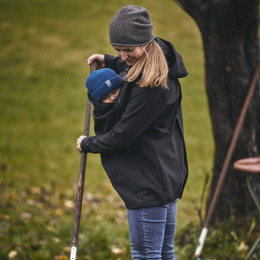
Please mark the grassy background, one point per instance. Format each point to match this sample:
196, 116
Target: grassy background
44, 48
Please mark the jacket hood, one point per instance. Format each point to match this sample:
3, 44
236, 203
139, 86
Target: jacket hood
173, 58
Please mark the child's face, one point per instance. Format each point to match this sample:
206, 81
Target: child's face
111, 96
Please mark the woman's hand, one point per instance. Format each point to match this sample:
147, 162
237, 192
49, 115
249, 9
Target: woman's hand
79, 140
99, 58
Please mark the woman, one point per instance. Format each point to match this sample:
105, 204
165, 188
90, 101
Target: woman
144, 153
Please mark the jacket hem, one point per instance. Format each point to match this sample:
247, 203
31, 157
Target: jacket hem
147, 205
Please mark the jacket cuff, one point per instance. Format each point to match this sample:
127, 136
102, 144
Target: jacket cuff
109, 61
83, 144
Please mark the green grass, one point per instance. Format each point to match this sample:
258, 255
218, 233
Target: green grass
44, 47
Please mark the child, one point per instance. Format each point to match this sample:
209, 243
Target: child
104, 86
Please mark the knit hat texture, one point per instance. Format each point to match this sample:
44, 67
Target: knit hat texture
131, 26
100, 82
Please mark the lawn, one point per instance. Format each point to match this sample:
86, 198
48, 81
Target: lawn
44, 48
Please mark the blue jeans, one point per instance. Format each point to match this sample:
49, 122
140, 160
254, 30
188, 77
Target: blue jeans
152, 231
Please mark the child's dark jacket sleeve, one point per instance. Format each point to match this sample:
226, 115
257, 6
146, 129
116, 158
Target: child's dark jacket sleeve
115, 63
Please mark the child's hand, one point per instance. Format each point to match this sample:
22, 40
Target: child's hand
99, 58
79, 140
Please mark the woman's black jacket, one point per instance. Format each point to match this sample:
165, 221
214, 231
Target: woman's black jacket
144, 152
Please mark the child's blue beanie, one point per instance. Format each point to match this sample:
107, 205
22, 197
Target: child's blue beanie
100, 82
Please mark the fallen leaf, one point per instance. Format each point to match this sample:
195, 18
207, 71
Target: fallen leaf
69, 204
31, 202
67, 249
14, 195
12, 254
243, 248
7, 217
117, 250
92, 201
49, 228
36, 190
26, 215
58, 212
24, 175
56, 240
61, 257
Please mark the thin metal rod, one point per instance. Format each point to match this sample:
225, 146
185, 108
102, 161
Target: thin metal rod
252, 193
81, 179
253, 248
230, 153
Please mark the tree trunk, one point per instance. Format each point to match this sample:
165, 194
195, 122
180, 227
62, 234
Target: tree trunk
229, 32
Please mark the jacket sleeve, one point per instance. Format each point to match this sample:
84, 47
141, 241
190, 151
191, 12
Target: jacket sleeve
145, 105
115, 63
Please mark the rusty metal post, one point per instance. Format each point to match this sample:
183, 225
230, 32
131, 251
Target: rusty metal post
81, 178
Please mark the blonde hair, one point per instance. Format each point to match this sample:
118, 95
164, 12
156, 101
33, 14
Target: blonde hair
152, 67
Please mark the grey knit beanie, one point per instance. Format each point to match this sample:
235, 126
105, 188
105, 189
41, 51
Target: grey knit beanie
131, 26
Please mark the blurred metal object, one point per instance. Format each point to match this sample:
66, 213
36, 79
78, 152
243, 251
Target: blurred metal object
251, 165
80, 187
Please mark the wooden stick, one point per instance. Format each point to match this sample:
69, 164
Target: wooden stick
80, 187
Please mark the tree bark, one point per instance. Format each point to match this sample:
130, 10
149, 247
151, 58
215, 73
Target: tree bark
229, 32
